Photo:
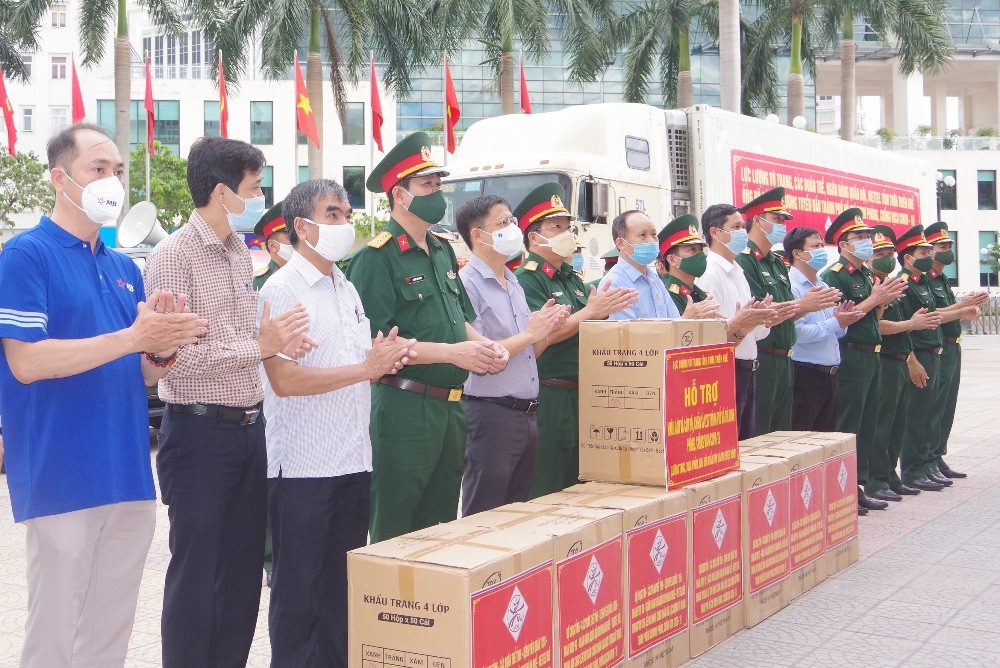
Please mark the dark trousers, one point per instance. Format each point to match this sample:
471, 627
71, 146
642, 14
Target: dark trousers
314, 522
746, 405
815, 401
558, 463
859, 403
917, 454
500, 454
947, 399
774, 393
894, 377
213, 479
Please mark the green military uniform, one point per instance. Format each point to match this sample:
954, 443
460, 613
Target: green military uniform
418, 432
859, 371
681, 231
679, 292
893, 379
767, 274
259, 280
558, 463
915, 457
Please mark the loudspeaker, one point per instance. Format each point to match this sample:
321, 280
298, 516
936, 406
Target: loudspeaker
140, 227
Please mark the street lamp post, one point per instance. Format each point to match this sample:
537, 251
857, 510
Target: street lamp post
943, 182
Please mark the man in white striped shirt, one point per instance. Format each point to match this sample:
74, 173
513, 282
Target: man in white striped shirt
318, 448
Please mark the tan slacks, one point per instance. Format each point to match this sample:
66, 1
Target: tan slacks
84, 569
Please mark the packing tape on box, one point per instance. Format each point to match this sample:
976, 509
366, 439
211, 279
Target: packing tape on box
407, 589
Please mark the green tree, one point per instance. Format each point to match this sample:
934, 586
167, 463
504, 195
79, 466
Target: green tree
167, 184
11, 46
23, 186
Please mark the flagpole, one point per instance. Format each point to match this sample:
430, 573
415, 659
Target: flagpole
371, 146
147, 175
444, 107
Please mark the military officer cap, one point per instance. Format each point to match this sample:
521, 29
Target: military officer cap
883, 237
911, 238
937, 233
410, 157
270, 222
770, 202
545, 201
514, 261
848, 221
610, 258
681, 231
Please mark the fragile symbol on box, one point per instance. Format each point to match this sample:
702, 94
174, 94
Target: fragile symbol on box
611, 433
842, 476
658, 553
770, 507
517, 612
592, 580
807, 491
719, 529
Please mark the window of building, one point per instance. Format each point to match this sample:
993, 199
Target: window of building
196, 54
59, 67
27, 119
59, 15
147, 48
28, 62
267, 185
166, 130
303, 173
949, 196
158, 56
354, 184
60, 118
171, 57
951, 270
987, 277
637, 153
354, 123
211, 118
261, 123
987, 182
182, 41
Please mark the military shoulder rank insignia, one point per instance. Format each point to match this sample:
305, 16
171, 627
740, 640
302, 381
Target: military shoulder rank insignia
530, 265
381, 239
674, 289
548, 270
837, 267
745, 251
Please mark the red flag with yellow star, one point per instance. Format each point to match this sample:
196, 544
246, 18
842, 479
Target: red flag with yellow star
223, 101
304, 118
452, 109
8, 117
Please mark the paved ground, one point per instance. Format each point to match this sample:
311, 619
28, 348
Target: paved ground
925, 593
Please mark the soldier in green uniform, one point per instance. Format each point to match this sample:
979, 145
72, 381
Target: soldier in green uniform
408, 279
859, 348
271, 228
547, 274
682, 251
767, 274
951, 330
895, 362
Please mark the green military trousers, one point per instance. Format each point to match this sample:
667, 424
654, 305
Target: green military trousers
775, 383
947, 400
916, 452
859, 403
894, 376
558, 463
418, 451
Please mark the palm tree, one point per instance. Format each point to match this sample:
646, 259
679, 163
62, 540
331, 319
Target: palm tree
657, 33
96, 19
730, 70
11, 60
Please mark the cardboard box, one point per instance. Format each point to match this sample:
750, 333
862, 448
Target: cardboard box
571, 495
807, 514
477, 602
623, 394
716, 561
772, 439
766, 536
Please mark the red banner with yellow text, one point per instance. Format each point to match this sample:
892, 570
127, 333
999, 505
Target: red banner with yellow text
512, 622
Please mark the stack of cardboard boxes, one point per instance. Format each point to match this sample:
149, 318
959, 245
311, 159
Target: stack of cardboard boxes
682, 538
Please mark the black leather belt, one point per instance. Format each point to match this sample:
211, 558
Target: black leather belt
932, 351
832, 370
241, 416
529, 406
864, 349
560, 382
901, 358
777, 352
449, 393
953, 339
747, 365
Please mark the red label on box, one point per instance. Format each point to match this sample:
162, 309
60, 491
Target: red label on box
657, 582
817, 195
512, 622
768, 529
808, 516
717, 559
841, 475
590, 606
702, 441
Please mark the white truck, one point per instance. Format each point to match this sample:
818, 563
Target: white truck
611, 158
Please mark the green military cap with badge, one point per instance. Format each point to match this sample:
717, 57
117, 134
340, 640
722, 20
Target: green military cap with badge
771, 201
850, 220
545, 201
270, 222
610, 258
912, 238
937, 233
883, 236
681, 231
410, 157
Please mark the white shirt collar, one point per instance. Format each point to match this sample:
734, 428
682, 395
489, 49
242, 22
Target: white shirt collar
307, 270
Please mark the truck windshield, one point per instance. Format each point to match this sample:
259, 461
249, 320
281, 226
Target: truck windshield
512, 187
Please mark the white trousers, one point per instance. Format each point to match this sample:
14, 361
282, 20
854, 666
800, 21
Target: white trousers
84, 570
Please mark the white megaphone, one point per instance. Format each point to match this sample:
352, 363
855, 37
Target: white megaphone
140, 227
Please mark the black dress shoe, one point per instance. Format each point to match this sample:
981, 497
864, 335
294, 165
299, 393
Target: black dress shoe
886, 495
862, 510
949, 472
924, 484
865, 501
904, 490
935, 476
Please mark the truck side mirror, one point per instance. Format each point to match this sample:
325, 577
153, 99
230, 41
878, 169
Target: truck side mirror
601, 202
593, 202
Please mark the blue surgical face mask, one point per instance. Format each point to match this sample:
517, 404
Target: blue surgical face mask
863, 249
777, 233
577, 261
738, 240
253, 209
817, 258
645, 253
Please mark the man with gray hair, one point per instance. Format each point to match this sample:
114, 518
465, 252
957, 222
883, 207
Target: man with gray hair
319, 458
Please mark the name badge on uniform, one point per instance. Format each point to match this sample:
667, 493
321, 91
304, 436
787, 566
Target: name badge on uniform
414, 279
765, 273
557, 294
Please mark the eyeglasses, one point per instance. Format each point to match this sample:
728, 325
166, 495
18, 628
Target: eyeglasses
503, 222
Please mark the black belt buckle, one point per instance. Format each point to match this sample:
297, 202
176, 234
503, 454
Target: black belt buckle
250, 416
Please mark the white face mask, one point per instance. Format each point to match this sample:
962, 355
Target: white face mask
334, 241
102, 200
284, 251
507, 240
562, 244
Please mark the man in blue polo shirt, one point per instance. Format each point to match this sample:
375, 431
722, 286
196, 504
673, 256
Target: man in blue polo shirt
79, 345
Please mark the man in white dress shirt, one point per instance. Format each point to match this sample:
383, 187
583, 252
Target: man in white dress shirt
318, 447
